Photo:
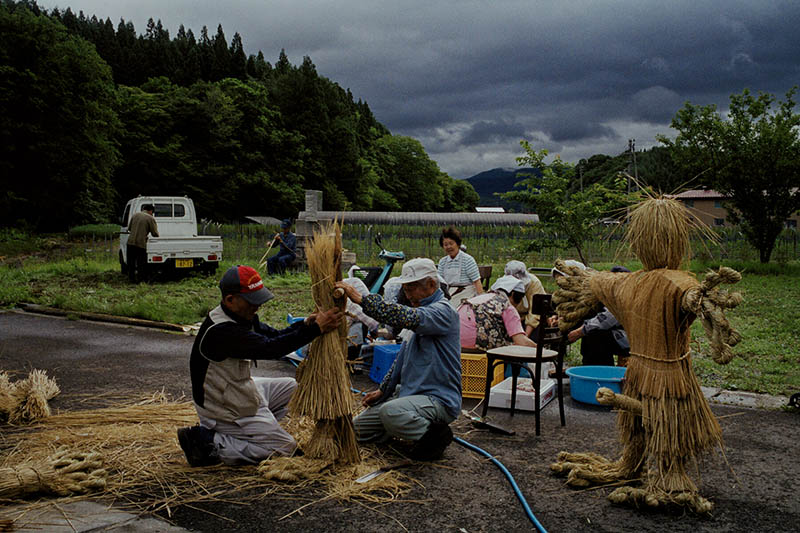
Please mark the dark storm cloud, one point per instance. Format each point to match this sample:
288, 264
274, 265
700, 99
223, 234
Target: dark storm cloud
493, 131
469, 79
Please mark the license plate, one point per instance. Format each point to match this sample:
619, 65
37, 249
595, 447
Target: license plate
184, 263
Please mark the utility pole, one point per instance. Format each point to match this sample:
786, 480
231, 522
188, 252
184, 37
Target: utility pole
630, 163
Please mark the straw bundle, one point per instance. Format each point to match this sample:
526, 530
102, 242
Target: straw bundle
146, 469
339, 479
26, 400
7, 389
664, 421
323, 391
64, 473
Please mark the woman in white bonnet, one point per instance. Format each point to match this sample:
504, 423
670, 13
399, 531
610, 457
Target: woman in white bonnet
490, 320
532, 286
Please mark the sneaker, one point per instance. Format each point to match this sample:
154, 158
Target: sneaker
432, 444
197, 443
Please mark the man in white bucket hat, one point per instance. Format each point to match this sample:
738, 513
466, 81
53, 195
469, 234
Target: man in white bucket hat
421, 393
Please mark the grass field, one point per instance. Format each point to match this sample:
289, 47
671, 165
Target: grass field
52, 272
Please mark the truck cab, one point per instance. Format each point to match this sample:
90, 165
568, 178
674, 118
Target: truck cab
178, 248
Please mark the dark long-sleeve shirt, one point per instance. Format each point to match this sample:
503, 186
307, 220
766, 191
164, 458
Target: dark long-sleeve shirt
288, 244
235, 338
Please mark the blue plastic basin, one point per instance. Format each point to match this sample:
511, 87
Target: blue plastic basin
383, 355
585, 380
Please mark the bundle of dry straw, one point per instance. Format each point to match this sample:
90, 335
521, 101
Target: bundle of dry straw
145, 467
323, 391
26, 400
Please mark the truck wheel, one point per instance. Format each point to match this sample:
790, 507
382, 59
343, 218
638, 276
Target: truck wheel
209, 269
122, 266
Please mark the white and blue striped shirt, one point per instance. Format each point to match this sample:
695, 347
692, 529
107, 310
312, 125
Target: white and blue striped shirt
459, 271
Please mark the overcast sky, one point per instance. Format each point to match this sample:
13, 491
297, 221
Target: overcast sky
470, 78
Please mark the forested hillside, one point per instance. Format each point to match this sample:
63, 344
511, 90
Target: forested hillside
92, 114
654, 168
498, 180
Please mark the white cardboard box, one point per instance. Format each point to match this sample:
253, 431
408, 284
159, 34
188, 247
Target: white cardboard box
500, 395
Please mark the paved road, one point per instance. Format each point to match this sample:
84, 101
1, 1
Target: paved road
754, 487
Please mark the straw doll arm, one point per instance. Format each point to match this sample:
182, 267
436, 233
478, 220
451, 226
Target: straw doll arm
574, 298
606, 396
709, 304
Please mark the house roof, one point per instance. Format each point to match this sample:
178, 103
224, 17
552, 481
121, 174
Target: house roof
697, 194
267, 221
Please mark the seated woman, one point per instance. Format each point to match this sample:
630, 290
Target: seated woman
490, 320
458, 269
532, 286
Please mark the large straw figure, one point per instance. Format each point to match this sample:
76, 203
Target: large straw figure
323, 385
664, 421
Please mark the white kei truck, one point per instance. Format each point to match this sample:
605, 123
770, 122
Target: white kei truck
178, 248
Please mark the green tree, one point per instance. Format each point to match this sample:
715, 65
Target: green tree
57, 124
221, 56
752, 156
569, 214
410, 176
459, 195
238, 67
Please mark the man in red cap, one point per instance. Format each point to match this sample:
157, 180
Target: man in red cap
239, 413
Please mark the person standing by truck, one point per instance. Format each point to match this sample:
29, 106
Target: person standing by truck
286, 253
141, 224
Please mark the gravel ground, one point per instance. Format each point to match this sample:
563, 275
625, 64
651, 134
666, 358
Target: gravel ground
753, 486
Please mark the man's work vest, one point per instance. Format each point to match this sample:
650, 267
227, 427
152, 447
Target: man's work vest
229, 390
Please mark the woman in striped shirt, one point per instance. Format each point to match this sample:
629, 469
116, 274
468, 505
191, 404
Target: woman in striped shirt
458, 269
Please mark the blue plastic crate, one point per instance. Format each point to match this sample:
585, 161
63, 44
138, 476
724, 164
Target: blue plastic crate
303, 350
522, 372
383, 355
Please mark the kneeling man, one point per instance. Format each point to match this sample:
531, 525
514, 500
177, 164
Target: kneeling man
239, 413
421, 393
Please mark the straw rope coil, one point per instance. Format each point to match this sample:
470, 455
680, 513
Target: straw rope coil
709, 304
65, 473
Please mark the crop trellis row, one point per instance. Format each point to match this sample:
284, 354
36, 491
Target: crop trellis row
489, 244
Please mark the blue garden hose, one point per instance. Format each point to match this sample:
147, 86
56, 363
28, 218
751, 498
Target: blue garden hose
501, 466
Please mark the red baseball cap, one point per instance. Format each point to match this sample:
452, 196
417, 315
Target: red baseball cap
245, 281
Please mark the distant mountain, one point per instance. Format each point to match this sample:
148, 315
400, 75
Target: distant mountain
499, 180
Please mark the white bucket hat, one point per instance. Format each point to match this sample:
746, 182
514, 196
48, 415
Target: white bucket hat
417, 269
518, 270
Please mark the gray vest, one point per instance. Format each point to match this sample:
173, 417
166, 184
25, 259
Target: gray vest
230, 392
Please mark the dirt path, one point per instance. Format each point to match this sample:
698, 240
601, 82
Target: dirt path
756, 490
